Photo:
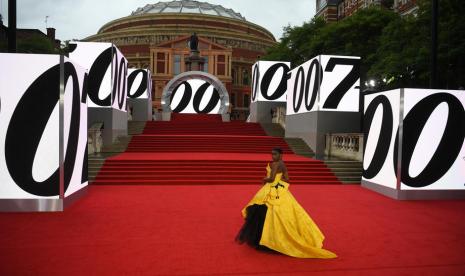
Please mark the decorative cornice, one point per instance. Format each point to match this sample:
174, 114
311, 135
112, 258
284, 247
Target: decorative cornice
203, 17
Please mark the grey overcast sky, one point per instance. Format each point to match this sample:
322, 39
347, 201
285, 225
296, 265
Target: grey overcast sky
77, 19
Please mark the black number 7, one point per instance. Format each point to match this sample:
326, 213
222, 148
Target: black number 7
338, 93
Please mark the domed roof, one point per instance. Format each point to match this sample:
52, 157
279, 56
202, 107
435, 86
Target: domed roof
188, 6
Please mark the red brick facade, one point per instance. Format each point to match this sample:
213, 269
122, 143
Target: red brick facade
159, 42
335, 10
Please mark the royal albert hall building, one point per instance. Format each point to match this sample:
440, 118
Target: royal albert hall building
156, 36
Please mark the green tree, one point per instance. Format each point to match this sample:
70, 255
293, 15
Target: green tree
357, 35
35, 44
451, 40
392, 47
406, 47
402, 55
294, 46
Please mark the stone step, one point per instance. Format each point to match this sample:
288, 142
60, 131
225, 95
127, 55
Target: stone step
90, 160
343, 164
349, 172
350, 180
135, 127
95, 162
346, 169
274, 130
299, 147
355, 182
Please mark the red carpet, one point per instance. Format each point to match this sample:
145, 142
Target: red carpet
202, 124
203, 150
185, 230
158, 210
206, 143
203, 172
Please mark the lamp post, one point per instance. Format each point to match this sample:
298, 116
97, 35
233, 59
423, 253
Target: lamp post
12, 26
434, 44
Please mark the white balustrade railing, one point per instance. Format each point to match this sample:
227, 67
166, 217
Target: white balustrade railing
94, 138
345, 145
279, 116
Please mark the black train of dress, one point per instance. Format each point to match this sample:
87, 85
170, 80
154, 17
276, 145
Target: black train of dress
251, 231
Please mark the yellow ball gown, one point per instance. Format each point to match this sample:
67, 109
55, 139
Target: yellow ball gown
287, 228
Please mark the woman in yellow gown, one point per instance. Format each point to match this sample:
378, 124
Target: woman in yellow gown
275, 220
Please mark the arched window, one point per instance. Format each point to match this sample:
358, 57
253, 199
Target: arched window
234, 76
245, 77
246, 100
232, 100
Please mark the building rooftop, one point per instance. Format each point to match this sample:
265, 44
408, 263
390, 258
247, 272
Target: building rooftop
188, 6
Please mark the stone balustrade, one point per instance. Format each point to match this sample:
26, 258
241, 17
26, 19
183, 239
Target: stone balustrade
345, 145
279, 116
94, 138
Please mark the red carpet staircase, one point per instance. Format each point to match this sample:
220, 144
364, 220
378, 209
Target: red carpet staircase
203, 150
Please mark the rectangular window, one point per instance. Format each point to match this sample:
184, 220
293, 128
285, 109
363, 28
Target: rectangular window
246, 100
177, 64
221, 65
160, 67
221, 69
205, 65
245, 78
161, 63
233, 99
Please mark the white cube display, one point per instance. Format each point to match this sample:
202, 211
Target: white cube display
340, 83
32, 121
324, 83
269, 81
381, 120
107, 82
415, 139
139, 84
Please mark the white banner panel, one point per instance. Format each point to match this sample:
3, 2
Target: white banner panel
340, 85
120, 77
139, 84
381, 120
195, 96
107, 69
269, 81
325, 83
75, 128
429, 145
303, 86
30, 125
433, 150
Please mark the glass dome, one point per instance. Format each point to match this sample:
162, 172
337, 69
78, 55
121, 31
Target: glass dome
188, 6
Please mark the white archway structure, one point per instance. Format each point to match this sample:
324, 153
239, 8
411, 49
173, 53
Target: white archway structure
195, 75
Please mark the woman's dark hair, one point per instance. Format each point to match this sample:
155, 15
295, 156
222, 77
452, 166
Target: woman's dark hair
278, 150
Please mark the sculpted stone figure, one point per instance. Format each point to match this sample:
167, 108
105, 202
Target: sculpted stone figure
194, 42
